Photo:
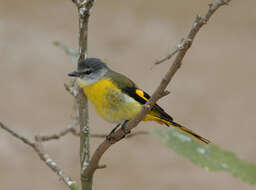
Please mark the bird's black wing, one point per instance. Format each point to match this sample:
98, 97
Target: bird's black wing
130, 88
142, 97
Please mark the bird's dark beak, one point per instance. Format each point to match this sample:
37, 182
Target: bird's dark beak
73, 74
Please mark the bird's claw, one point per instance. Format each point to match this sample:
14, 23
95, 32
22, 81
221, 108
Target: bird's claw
126, 132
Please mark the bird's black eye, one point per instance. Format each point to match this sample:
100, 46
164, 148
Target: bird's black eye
87, 72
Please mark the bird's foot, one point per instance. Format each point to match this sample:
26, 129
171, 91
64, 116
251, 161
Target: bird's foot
123, 128
110, 136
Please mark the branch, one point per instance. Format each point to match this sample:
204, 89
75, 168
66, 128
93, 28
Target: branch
184, 46
37, 147
169, 56
84, 7
67, 50
179, 47
128, 136
69, 129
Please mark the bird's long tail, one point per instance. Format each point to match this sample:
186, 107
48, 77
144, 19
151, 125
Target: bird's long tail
159, 115
187, 131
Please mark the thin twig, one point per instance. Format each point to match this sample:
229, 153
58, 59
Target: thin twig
128, 136
67, 50
169, 56
18, 136
178, 47
37, 147
69, 129
184, 46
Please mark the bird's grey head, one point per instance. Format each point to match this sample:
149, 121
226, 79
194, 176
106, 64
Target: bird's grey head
90, 70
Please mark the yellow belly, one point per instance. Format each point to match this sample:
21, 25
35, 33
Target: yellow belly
110, 103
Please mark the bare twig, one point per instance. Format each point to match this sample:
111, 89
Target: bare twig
67, 50
36, 146
69, 129
83, 118
184, 46
128, 136
84, 8
18, 136
169, 56
179, 47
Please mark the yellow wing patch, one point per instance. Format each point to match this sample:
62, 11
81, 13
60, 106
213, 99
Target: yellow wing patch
141, 94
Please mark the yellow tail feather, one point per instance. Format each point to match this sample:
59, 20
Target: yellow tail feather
151, 117
187, 131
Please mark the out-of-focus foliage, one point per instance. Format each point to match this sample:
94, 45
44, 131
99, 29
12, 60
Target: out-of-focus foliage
209, 157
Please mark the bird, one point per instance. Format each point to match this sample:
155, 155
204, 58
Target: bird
116, 98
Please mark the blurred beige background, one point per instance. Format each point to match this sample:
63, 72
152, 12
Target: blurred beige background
213, 93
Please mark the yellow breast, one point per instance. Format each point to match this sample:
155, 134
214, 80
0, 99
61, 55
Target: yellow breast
110, 103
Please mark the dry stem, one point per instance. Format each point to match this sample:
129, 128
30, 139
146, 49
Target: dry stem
84, 8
